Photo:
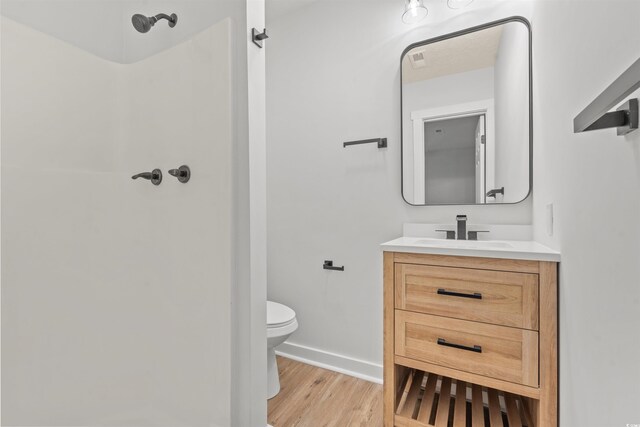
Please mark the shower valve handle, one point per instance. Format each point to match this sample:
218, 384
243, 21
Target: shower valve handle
183, 173
144, 175
155, 176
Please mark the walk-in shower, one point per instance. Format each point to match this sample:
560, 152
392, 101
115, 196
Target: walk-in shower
115, 291
144, 23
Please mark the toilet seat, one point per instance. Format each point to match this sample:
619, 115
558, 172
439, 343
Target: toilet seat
279, 315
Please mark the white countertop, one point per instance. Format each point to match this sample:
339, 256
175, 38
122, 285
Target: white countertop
509, 249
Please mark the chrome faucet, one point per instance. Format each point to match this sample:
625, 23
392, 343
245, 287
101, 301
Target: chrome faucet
462, 227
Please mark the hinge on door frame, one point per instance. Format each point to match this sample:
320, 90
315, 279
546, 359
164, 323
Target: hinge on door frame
483, 139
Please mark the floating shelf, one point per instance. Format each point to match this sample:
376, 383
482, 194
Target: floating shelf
426, 400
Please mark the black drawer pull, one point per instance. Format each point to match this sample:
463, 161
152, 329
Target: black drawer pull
474, 295
475, 348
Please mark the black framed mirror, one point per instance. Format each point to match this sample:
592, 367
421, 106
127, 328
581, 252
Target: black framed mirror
466, 114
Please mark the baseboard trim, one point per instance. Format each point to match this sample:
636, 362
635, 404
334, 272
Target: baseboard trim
332, 361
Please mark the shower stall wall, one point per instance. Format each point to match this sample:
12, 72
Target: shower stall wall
116, 293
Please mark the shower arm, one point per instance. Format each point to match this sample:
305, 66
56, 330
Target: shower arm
163, 16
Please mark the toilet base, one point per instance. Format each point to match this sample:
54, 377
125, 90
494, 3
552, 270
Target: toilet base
273, 379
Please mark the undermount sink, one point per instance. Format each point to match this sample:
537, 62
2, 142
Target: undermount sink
463, 244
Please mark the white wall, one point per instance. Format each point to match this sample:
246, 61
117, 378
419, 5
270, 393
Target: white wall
57, 155
460, 88
512, 113
333, 75
593, 181
92, 25
116, 293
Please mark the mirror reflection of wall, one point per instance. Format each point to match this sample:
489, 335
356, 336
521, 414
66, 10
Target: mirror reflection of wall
466, 118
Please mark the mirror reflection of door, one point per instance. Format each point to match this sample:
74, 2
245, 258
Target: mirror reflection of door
455, 159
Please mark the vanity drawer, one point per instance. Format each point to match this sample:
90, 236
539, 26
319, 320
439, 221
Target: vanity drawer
500, 352
496, 297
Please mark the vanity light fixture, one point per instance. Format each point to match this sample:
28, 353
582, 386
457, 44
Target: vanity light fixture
414, 11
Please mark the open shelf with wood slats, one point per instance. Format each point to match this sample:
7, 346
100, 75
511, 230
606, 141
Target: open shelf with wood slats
426, 399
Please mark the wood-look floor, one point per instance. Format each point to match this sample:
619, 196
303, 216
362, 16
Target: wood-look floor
315, 397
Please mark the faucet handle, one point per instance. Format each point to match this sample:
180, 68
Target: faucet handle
451, 235
473, 235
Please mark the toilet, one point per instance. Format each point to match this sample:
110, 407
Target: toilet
281, 323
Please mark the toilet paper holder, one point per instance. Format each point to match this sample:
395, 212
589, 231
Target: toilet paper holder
328, 265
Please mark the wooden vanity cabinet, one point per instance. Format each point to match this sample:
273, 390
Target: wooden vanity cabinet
469, 341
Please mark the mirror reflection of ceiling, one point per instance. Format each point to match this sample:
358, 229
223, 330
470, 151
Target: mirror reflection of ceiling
469, 52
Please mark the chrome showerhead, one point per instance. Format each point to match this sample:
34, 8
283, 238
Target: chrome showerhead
144, 23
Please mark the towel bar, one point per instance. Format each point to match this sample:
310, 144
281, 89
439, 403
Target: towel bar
382, 142
597, 116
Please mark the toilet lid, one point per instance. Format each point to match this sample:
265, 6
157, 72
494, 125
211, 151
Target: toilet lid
279, 314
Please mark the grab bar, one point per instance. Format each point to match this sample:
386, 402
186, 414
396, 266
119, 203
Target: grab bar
597, 116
